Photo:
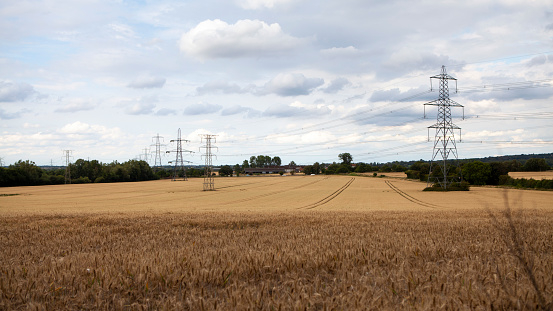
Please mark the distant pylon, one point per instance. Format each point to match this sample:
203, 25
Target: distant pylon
157, 144
179, 161
444, 139
209, 183
67, 155
146, 154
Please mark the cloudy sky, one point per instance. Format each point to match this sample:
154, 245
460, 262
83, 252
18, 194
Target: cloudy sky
304, 80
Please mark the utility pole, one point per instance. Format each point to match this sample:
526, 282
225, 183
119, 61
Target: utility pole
209, 183
157, 144
444, 139
68, 156
179, 161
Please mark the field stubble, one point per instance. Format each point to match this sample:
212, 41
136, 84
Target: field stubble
349, 252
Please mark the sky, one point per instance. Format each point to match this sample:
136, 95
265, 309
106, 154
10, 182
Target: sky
303, 80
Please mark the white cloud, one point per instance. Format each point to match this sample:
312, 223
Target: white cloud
246, 38
291, 84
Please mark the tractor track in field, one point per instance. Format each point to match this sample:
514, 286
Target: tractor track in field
273, 193
410, 198
329, 197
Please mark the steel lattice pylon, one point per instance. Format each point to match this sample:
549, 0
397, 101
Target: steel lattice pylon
179, 161
444, 140
209, 182
157, 158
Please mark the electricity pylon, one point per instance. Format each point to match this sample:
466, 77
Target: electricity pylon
209, 183
179, 161
146, 154
67, 166
157, 158
444, 139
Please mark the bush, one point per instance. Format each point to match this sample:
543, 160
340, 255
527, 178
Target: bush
411, 174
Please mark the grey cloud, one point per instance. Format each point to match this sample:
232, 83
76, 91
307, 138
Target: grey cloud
395, 94
201, 108
336, 85
147, 83
291, 85
537, 60
513, 94
403, 63
4, 115
13, 92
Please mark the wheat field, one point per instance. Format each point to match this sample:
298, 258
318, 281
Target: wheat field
270, 243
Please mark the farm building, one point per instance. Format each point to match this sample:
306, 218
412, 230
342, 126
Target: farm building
287, 169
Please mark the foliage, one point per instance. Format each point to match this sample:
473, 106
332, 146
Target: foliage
346, 158
477, 172
455, 186
262, 161
26, 173
530, 183
535, 165
225, 170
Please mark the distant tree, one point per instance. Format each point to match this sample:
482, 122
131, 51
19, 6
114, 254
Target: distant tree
316, 168
277, 161
292, 163
331, 169
237, 169
346, 158
535, 165
385, 168
245, 164
253, 161
513, 166
225, 170
308, 170
476, 172
343, 168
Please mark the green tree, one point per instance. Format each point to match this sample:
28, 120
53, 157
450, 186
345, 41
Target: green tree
477, 172
225, 170
277, 161
316, 168
292, 163
308, 170
346, 158
245, 164
253, 162
237, 169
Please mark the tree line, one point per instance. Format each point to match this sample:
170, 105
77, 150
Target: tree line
27, 173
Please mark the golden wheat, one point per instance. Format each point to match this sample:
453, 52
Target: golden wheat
270, 243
